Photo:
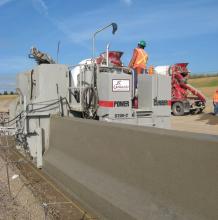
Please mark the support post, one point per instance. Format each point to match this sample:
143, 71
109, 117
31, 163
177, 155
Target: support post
39, 148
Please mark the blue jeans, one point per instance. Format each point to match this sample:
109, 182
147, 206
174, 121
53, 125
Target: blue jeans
216, 108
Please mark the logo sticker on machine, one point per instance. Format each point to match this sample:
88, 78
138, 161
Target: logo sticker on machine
121, 103
161, 102
120, 85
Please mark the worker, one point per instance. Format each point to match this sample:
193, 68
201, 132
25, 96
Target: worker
215, 102
150, 70
139, 61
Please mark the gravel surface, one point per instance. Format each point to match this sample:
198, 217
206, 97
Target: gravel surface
21, 205
34, 195
205, 123
10, 209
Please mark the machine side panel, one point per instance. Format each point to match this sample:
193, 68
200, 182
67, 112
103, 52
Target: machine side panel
52, 81
162, 100
23, 84
114, 97
155, 94
145, 92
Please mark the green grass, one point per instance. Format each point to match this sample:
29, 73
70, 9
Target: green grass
204, 82
202, 75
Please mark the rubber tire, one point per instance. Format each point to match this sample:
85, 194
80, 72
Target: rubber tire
178, 109
195, 111
200, 110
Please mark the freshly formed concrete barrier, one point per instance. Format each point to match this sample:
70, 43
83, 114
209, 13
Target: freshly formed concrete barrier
127, 172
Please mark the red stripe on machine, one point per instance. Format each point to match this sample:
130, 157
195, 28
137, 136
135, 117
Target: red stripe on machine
169, 102
106, 104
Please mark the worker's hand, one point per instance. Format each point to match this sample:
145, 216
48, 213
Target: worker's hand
129, 70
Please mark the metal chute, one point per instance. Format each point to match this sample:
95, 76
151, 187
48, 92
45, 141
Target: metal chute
40, 57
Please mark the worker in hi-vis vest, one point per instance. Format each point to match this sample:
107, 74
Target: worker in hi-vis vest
215, 102
139, 61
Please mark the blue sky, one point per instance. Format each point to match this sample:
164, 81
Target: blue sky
175, 31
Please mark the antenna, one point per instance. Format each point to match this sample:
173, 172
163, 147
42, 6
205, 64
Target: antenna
58, 48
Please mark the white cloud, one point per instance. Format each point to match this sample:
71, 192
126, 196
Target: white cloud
76, 36
127, 2
79, 28
4, 2
159, 24
40, 6
156, 24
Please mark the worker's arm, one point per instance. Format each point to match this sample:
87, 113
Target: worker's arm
214, 96
146, 58
132, 61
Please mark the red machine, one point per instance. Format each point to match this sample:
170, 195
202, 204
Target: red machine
185, 98
114, 58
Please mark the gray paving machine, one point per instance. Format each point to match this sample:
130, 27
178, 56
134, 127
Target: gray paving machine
98, 88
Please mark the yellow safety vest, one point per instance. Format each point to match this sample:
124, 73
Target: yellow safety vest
141, 59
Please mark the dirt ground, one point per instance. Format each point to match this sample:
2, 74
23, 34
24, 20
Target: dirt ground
5, 101
208, 91
205, 123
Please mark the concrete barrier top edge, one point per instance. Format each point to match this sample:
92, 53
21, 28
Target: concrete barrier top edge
152, 130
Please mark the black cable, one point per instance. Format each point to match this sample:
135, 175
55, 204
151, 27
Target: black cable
41, 103
44, 106
52, 108
13, 119
16, 121
31, 84
37, 110
68, 104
